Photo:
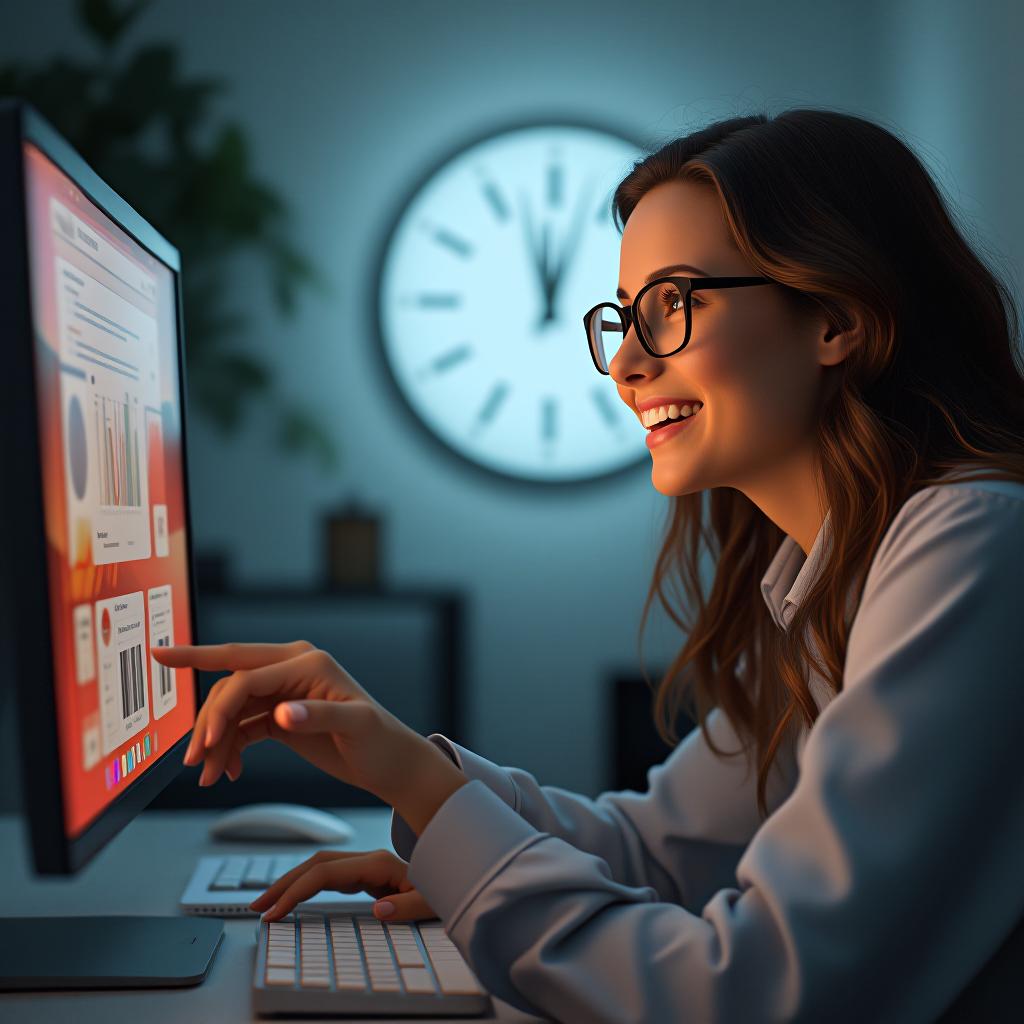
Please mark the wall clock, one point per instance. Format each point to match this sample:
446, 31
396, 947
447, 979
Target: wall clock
482, 287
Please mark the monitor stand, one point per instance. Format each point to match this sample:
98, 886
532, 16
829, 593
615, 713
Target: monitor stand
124, 951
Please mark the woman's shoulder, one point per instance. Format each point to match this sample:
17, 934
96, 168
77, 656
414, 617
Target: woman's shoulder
979, 513
962, 485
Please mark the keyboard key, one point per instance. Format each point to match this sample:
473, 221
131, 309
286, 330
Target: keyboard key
279, 976
456, 978
408, 955
417, 979
231, 872
282, 865
257, 874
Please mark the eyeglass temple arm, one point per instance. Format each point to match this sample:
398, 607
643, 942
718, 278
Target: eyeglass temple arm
725, 282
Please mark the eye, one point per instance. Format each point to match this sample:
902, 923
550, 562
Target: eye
669, 298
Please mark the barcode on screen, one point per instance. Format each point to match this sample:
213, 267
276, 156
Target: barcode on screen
164, 675
132, 693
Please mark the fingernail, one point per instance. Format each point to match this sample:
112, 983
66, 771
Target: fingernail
384, 908
297, 712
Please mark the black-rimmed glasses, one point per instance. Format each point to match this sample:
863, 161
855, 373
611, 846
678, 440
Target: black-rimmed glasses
654, 312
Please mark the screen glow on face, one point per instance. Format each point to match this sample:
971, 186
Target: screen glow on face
485, 282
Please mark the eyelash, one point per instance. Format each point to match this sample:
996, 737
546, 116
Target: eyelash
695, 301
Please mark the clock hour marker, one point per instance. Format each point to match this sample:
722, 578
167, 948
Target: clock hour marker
453, 242
495, 198
555, 185
437, 300
451, 358
605, 407
492, 403
548, 419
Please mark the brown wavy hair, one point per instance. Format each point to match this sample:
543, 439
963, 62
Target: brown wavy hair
839, 211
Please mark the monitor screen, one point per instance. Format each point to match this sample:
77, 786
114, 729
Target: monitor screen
106, 367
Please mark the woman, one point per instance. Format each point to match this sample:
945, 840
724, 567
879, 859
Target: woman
859, 431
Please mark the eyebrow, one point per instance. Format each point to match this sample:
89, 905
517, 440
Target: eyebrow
621, 293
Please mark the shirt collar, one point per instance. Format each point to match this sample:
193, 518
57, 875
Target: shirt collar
791, 574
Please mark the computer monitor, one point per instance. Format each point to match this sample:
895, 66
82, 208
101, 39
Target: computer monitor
96, 555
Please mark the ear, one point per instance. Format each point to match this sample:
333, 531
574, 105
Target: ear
835, 340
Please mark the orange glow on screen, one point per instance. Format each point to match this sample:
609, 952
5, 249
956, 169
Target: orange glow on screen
110, 438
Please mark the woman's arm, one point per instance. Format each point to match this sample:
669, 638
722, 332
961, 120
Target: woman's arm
874, 892
683, 837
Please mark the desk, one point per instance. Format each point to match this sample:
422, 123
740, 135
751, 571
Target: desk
119, 881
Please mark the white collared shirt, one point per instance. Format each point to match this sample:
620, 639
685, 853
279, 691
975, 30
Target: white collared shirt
887, 873
790, 574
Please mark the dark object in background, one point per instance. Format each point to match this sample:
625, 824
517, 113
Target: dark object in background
352, 537
211, 569
636, 746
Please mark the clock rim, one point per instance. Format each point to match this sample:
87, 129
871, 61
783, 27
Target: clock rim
442, 156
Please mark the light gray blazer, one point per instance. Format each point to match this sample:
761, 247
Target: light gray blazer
891, 866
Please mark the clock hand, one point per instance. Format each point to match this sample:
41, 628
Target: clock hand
571, 238
541, 263
537, 258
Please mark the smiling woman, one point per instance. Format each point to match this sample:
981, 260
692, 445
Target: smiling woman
882, 357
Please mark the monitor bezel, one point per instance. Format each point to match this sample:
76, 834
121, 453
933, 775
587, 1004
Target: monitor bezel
27, 612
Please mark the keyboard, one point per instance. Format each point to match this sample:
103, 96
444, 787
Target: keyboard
238, 871
223, 885
339, 964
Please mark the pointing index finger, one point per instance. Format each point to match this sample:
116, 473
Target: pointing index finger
228, 657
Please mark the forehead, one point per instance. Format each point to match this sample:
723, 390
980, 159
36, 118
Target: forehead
676, 222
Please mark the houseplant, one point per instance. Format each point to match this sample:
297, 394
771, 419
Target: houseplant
137, 119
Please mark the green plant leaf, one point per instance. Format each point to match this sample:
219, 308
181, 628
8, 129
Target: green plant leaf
106, 20
298, 430
136, 120
290, 269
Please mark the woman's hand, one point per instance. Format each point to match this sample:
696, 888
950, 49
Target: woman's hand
299, 695
379, 872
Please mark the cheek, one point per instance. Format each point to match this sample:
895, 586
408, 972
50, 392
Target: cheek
751, 383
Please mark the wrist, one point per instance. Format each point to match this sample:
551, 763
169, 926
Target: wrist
430, 777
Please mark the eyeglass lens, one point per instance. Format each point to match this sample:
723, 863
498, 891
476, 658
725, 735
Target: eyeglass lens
662, 314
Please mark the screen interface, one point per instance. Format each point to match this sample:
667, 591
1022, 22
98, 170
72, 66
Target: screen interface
107, 381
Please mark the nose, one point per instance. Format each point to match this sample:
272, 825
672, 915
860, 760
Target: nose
632, 364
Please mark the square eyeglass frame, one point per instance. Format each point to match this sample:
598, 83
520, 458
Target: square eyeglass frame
628, 314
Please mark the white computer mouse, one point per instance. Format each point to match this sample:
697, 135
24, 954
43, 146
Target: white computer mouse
294, 822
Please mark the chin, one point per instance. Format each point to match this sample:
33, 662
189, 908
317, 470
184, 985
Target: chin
672, 481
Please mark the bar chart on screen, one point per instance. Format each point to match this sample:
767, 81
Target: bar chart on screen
117, 439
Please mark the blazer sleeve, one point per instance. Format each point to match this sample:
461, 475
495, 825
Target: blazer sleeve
683, 837
877, 889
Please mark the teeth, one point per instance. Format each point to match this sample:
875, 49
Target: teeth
652, 417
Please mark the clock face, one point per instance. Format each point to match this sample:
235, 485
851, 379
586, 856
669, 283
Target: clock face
484, 283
